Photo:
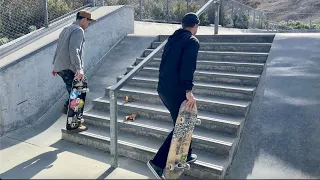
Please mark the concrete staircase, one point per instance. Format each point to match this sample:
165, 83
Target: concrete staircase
228, 71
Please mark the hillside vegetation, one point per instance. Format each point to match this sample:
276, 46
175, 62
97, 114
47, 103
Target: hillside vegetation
289, 9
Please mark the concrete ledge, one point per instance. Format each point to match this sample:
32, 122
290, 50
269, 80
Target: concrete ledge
27, 87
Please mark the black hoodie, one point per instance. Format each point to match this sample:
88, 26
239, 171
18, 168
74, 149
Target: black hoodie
179, 61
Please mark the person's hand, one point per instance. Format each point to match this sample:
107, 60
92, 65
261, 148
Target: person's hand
79, 74
191, 100
54, 73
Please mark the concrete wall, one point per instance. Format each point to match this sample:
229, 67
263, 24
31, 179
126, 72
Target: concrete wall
28, 89
281, 137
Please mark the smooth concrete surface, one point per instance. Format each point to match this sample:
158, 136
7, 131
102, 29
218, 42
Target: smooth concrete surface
281, 135
27, 86
152, 28
60, 159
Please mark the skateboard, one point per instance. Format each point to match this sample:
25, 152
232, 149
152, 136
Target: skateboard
77, 99
180, 142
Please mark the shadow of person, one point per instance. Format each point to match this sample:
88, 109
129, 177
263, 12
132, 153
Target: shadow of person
30, 168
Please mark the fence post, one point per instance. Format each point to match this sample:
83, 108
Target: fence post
46, 16
1, 122
254, 19
216, 20
113, 128
232, 13
140, 9
310, 21
167, 10
260, 22
221, 13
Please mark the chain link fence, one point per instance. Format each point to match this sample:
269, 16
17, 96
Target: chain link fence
20, 17
168, 11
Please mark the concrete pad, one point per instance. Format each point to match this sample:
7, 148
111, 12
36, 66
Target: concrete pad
281, 134
28, 161
152, 28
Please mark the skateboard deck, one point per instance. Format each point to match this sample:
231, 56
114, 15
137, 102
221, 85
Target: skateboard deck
180, 142
77, 100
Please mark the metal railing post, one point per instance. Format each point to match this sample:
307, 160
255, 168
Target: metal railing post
113, 128
216, 14
46, 16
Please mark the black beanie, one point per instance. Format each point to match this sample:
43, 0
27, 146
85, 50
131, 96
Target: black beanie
190, 19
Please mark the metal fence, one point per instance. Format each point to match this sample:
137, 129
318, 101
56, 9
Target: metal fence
170, 11
20, 17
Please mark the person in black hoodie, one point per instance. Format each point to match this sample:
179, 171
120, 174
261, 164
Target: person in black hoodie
179, 60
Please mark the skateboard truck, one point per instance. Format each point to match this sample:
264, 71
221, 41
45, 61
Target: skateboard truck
179, 166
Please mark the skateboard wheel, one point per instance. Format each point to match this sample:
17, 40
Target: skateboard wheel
171, 167
188, 166
198, 122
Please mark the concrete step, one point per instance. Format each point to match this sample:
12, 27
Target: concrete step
243, 38
202, 139
231, 47
143, 148
203, 88
210, 121
209, 76
225, 66
222, 56
213, 104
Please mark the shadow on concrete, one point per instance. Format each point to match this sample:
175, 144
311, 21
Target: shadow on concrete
30, 168
104, 157
281, 134
106, 173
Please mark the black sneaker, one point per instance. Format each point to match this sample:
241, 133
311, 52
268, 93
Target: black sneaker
157, 171
192, 158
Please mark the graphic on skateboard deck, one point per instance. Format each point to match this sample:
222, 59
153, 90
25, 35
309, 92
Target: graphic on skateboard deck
77, 99
180, 142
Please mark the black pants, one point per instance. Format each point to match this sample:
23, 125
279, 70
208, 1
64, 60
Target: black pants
67, 77
172, 101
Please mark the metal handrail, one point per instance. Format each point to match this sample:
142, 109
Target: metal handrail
113, 89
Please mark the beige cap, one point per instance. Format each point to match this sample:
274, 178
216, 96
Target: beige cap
87, 15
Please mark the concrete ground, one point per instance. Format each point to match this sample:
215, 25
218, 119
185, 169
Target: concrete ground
281, 137
151, 28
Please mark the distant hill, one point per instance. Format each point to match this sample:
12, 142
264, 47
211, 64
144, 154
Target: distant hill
289, 7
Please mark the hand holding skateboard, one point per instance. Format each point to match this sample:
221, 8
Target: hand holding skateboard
191, 100
79, 74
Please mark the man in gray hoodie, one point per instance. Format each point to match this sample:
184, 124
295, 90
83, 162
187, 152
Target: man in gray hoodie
68, 58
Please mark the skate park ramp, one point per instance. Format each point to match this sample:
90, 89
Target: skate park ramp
281, 135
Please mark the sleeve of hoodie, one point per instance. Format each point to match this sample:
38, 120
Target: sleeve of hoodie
189, 64
76, 39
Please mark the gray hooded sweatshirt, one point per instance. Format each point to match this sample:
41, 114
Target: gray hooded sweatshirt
70, 47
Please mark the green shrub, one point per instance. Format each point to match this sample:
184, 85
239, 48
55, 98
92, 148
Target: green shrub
241, 20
